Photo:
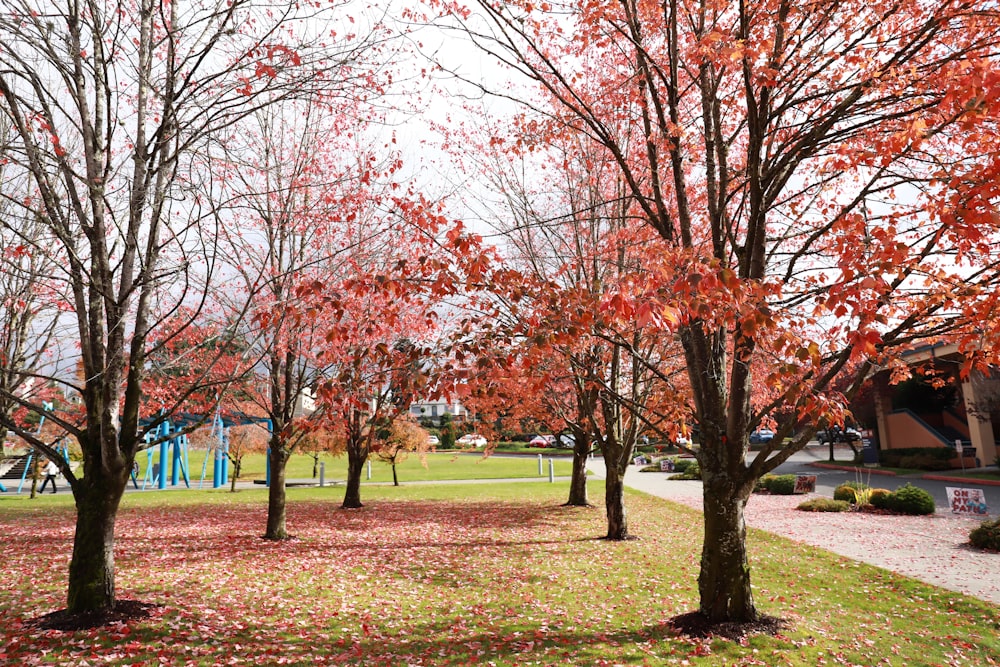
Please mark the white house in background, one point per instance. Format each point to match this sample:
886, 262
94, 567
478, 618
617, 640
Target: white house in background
435, 409
305, 403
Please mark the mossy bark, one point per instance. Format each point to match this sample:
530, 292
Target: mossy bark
92, 566
724, 581
614, 503
355, 466
276, 496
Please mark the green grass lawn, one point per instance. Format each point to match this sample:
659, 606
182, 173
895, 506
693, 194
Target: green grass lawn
453, 574
433, 467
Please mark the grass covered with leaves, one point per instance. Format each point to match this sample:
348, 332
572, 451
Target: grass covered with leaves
496, 574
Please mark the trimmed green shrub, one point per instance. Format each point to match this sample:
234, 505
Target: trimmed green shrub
781, 485
986, 535
909, 499
691, 471
924, 462
879, 498
893, 457
856, 485
682, 465
824, 505
846, 492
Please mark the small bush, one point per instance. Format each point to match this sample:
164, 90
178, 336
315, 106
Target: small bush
846, 493
986, 535
781, 485
691, 471
682, 465
879, 498
824, 505
909, 499
893, 457
856, 485
924, 462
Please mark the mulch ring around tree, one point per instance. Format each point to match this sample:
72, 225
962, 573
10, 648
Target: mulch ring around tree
697, 626
124, 611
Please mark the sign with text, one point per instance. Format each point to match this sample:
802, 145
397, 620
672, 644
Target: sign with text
666, 465
805, 483
966, 501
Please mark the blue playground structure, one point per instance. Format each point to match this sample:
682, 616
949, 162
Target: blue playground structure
171, 441
175, 449
59, 447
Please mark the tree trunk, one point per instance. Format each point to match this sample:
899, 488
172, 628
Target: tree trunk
34, 479
395, 480
237, 464
578, 481
724, 581
614, 501
92, 567
276, 496
355, 466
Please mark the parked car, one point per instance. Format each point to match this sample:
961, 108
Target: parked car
761, 435
565, 441
539, 441
433, 440
472, 440
837, 434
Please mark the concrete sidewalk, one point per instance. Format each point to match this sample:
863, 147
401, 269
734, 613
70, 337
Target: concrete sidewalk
933, 549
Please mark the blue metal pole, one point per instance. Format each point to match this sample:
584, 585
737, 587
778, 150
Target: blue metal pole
185, 461
24, 474
270, 430
225, 459
219, 431
164, 449
175, 460
217, 467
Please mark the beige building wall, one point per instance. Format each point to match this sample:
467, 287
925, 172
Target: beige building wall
975, 392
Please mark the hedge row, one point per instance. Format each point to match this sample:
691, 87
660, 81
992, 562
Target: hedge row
923, 458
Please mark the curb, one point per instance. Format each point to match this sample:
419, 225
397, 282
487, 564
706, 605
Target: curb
856, 469
963, 480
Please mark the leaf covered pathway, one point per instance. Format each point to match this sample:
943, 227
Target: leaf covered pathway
482, 580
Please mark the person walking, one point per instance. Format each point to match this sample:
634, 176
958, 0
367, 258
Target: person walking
51, 470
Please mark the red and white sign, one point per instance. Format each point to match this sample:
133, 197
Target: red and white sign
966, 501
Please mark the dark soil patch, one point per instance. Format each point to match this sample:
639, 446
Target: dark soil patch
696, 625
124, 611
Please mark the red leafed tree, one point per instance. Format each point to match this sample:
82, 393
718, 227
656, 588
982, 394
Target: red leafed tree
404, 436
579, 267
375, 355
199, 362
318, 442
117, 112
244, 439
822, 179
304, 185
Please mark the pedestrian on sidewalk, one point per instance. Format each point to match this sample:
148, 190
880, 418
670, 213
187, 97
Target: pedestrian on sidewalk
51, 470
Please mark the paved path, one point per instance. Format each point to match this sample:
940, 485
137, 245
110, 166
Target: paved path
932, 549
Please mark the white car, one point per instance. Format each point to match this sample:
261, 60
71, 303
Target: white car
473, 440
433, 440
